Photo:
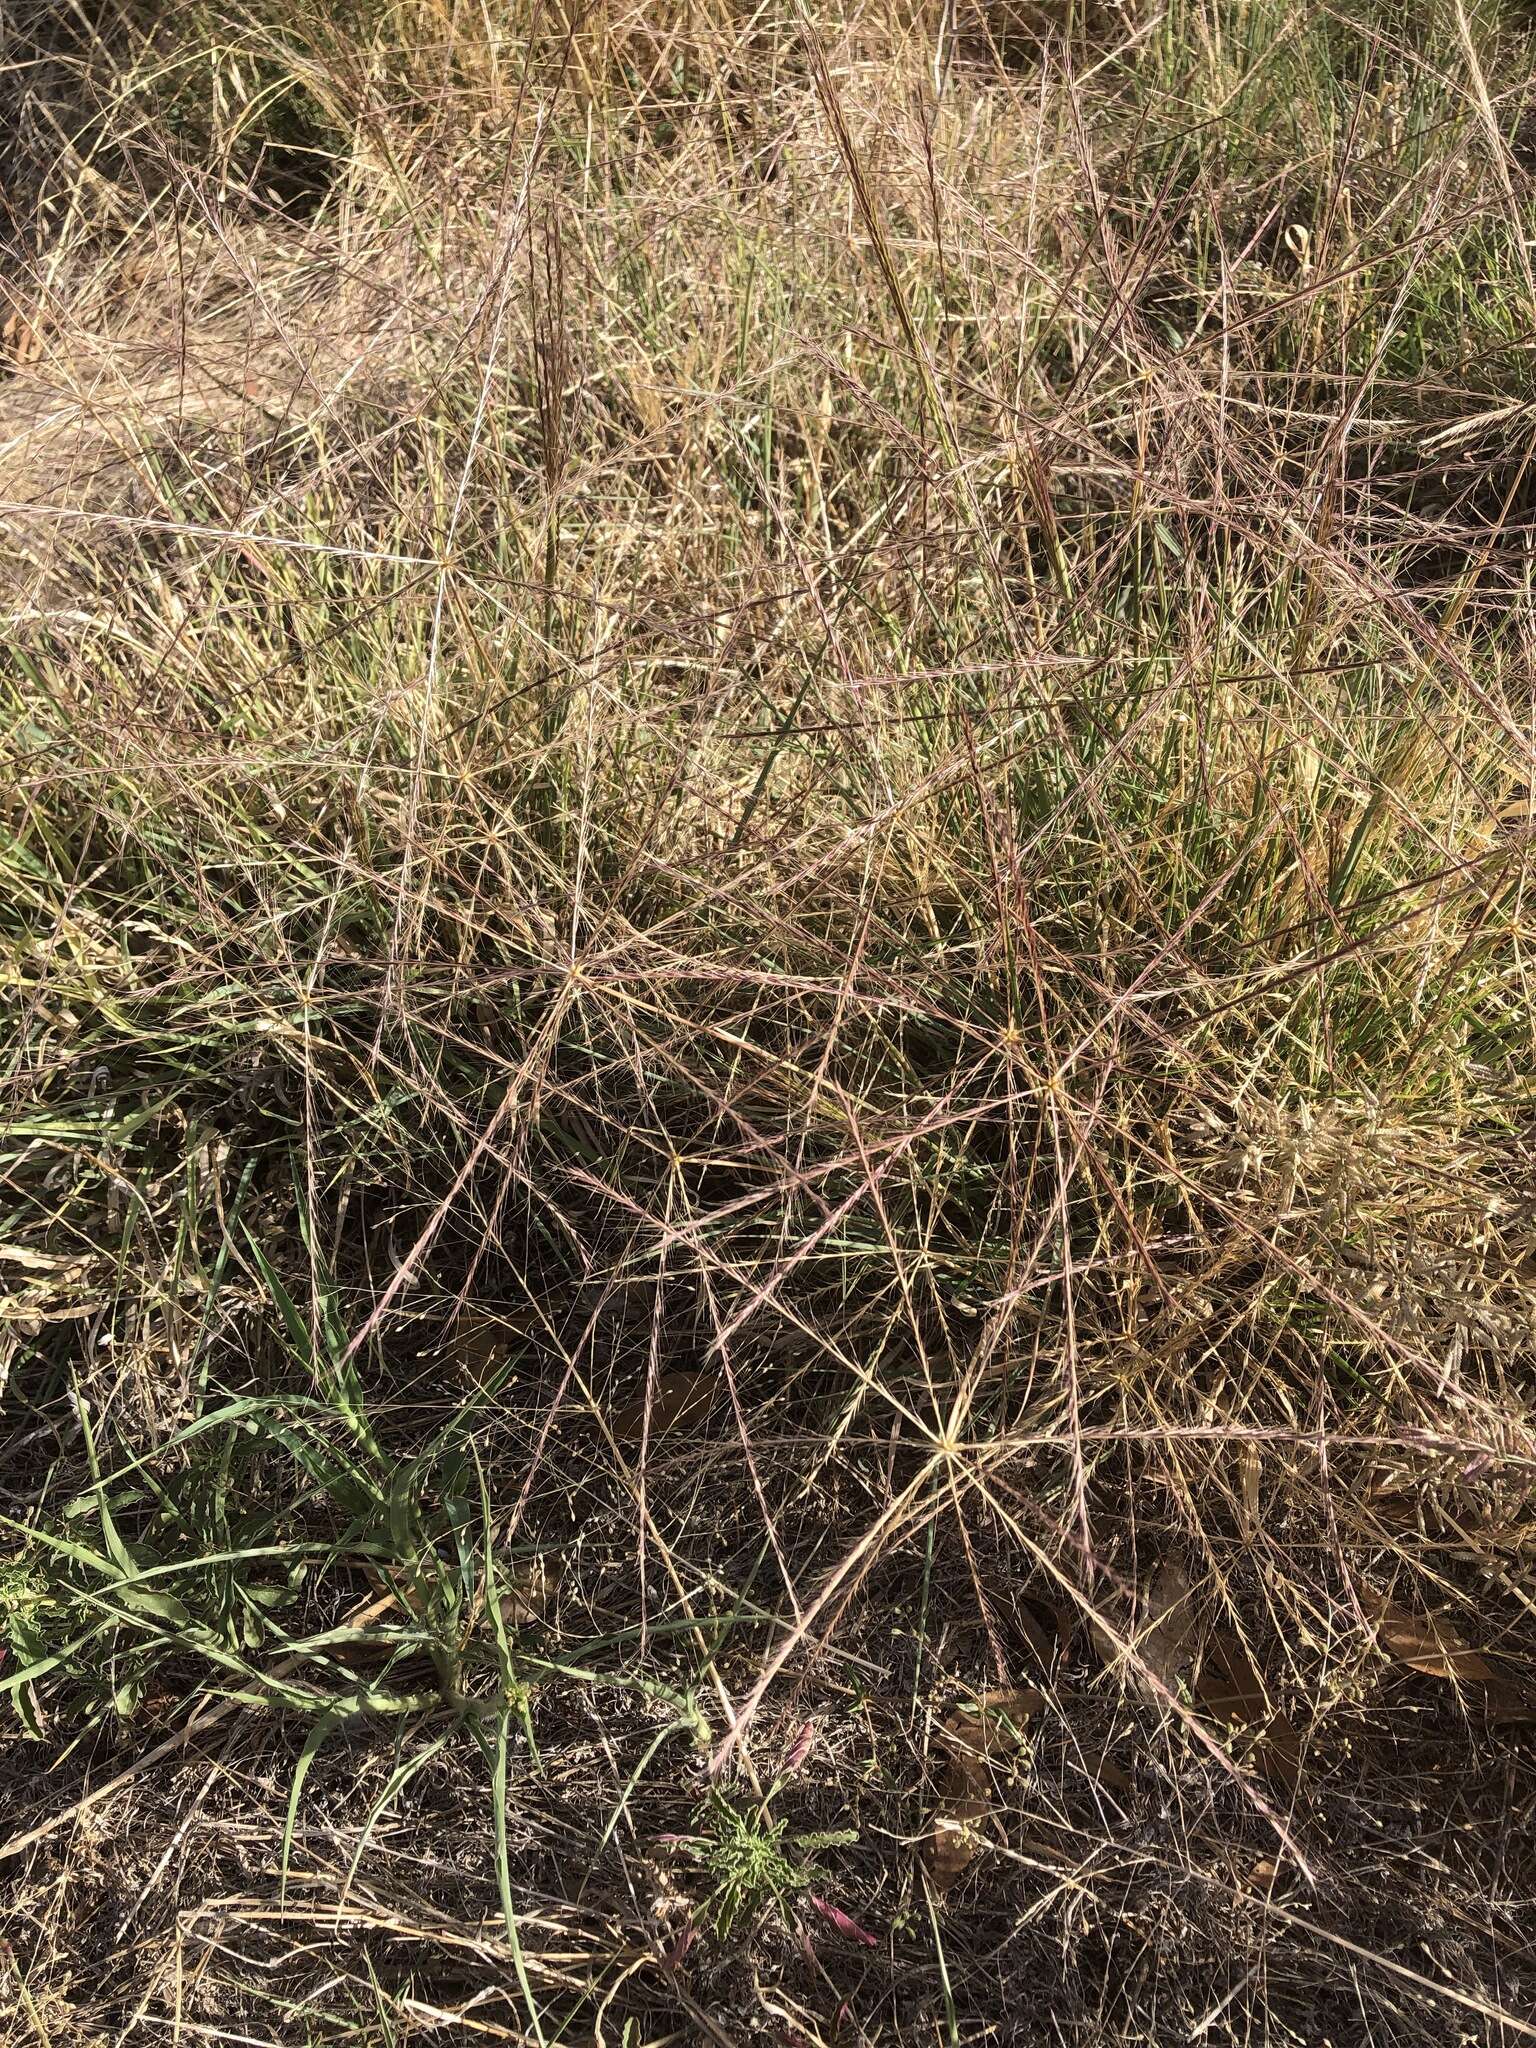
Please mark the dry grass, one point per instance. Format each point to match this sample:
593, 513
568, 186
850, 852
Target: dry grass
767, 1222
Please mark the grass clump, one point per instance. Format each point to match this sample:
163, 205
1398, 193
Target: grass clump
766, 857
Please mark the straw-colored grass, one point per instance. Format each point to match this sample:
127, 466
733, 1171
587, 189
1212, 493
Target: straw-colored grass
767, 1212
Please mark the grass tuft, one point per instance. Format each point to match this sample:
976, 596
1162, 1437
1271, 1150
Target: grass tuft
765, 906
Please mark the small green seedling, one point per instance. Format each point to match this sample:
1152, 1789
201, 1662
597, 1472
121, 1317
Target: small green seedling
753, 1864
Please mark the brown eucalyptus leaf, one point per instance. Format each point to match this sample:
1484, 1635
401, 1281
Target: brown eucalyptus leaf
1109, 1651
1509, 1699
1109, 1775
396, 1585
1429, 1645
1046, 1629
476, 1346
22, 338
1393, 1498
1160, 1652
1231, 1691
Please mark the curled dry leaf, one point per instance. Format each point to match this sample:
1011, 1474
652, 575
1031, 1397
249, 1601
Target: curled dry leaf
1107, 1774
992, 1722
1047, 1630
22, 338
1394, 1499
1248, 1470
986, 1727
676, 1398
1426, 1645
958, 1833
1224, 1683
395, 1585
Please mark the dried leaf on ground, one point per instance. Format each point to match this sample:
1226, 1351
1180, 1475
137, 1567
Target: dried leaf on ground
984, 1728
22, 338
1108, 1775
396, 1585
1160, 1655
1429, 1645
676, 1398
1164, 1643
957, 1837
1426, 1645
531, 1585
992, 1722
477, 1346
1225, 1685
1046, 1628
1394, 1497
1231, 1691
